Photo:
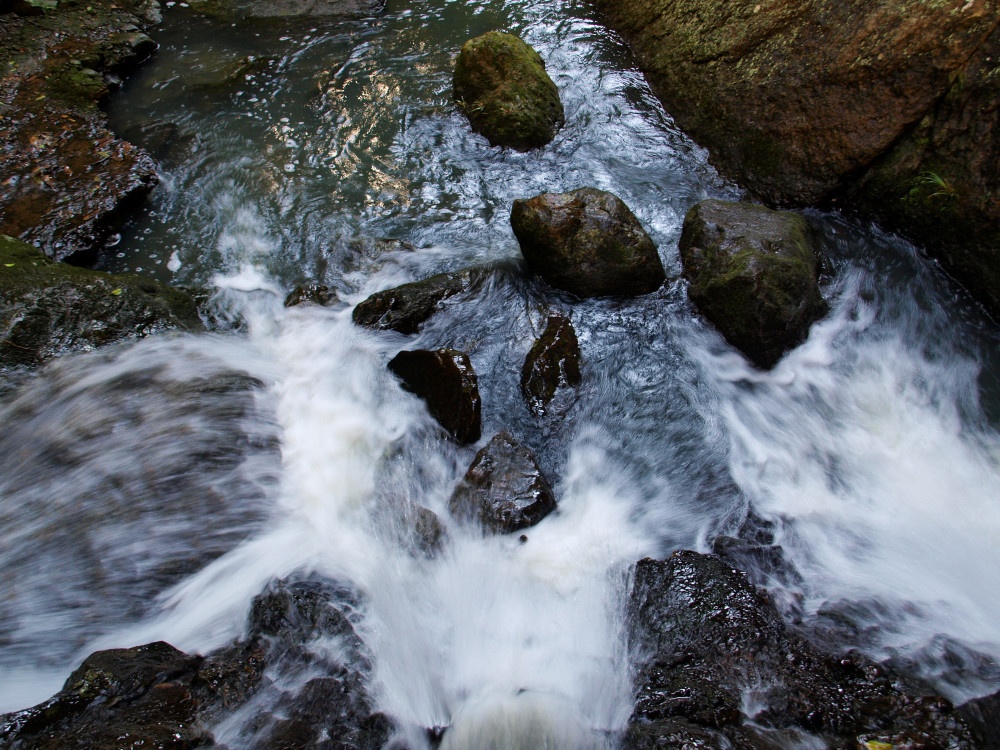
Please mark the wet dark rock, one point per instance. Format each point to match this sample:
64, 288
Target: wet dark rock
143, 694
983, 717
552, 363
67, 181
705, 635
753, 274
671, 733
804, 105
586, 242
405, 308
49, 308
501, 84
503, 490
446, 381
428, 531
316, 294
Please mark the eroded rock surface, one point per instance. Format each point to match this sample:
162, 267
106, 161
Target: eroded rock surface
446, 381
405, 308
587, 242
753, 274
501, 84
65, 180
504, 490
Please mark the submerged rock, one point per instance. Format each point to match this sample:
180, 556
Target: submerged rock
446, 381
753, 274
49, 308
709, 637
405, 308
806, 103
504, 490
501, 84
552, 363
67, 181
311, 293
145, 694
586, 242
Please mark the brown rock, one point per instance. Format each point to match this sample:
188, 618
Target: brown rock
552, 363
446, 381
587, 242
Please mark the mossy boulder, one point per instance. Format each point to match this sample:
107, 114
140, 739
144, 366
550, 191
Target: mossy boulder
502, 87
887, 106
405, 308
753, 274
552, 363
445, 379
504, 490
587, 242
49, 308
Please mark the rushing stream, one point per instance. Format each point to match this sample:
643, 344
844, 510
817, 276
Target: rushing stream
151, 490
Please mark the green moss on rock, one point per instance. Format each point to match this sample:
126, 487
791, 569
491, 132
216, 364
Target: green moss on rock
49, 308
753, 274
501, 84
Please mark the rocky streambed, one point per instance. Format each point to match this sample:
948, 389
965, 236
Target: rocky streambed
458, 468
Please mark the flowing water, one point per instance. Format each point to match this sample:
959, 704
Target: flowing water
150, 491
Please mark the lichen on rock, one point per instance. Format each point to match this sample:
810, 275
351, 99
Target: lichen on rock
753, 274
502, 87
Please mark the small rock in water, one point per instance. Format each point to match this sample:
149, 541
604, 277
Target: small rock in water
586, 242
553, 362
405, 308
317, 294
446, 381
753, 274
501, 84
504, 490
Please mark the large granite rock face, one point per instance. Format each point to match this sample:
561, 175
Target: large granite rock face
707, 637
889, 106
503, 490
49, 308
752, 273
552, 363
67, 181
501, 84
586, 242
446, 381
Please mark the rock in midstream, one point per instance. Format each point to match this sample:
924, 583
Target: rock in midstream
753, 274
587, 242
706, 636
503, 490
552, 363
405, 308
501, 84
446, 381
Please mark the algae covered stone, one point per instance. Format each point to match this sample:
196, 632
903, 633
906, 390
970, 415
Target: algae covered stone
586, 242
47, 308
552, 363
501, 84
753, 274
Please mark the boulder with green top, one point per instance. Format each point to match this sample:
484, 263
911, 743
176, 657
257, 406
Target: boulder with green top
501, 84
49, 308
587, 242
753, 274
887, 106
